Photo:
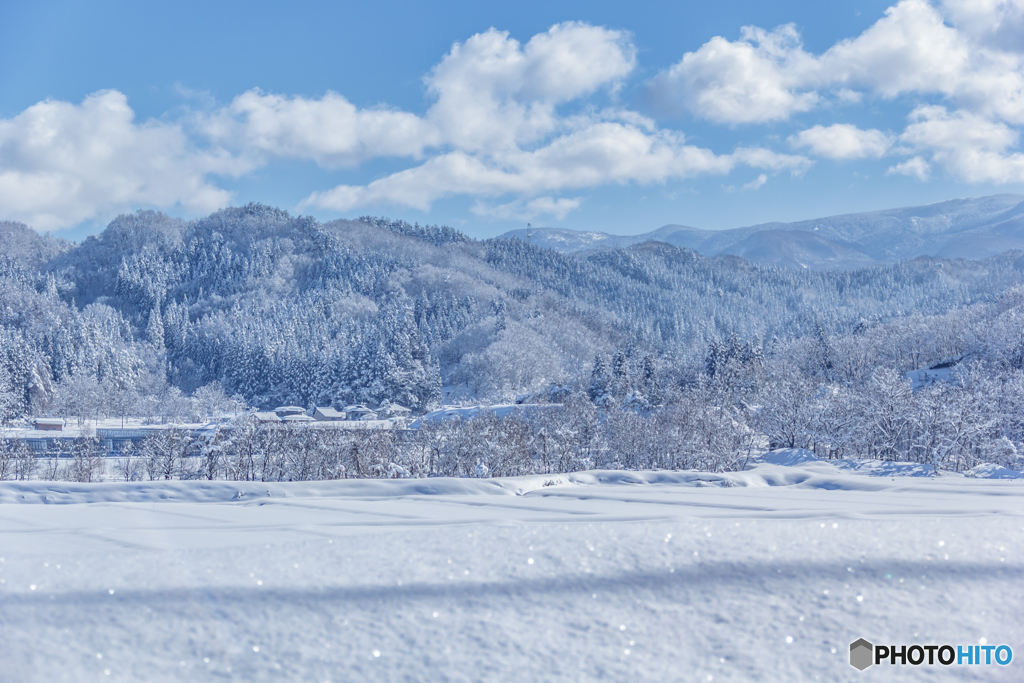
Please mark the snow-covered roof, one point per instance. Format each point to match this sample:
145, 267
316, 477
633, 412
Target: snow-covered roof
328, 414
132, 430
72, 421
367, 423
267, 417
289, 410
27, 434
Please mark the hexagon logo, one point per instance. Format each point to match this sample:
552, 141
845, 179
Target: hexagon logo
862, 654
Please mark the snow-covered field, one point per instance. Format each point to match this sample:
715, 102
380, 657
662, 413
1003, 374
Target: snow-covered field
764, 575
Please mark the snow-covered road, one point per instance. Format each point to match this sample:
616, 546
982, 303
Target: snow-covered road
765, 575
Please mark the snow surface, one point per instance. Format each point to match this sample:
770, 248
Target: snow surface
989, 470
875, 468
761, 575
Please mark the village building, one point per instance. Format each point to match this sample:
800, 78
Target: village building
328, 415
285, 411
359, 412
48, 424
389, 409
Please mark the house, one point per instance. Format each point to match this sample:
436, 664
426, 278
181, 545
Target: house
328, 415
110, 440
292, 419
266, 417
285, 411
359, 412
117, 440
48, 424
389, 409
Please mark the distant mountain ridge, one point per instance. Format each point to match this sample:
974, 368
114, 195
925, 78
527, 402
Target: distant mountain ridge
958, 228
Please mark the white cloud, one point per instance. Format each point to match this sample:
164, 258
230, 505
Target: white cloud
966, 145
910, 49
916, 167
523, 210
494, 93
757, 183
842, 141
497, 112
568, 61
768, 76
847, 96
752, 80
601, 153
516, 125
998, 23
330, 131
62, 164
759, 157
969, 53
495, 123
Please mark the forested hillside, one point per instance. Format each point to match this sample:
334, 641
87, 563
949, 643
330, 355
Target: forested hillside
279, 309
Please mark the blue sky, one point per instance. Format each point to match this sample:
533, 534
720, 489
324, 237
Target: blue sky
579, 115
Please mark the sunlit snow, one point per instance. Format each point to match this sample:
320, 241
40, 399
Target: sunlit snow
762, 575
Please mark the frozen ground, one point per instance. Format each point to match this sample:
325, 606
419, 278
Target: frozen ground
765, 575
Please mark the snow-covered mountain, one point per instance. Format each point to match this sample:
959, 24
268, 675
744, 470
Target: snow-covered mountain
959, 228
284, 310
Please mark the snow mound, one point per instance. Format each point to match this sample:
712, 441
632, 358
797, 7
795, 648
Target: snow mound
992, 471
801, 458
796, 468
49, 492
883, 468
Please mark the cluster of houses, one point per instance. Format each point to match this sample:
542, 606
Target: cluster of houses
55, 435
386, 412
48, 435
